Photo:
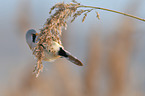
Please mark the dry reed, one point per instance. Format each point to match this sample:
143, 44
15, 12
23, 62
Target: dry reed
52, 30
119, 58
24, 16
53, 27
93, 65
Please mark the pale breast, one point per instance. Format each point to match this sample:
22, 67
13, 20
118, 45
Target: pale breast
49, 56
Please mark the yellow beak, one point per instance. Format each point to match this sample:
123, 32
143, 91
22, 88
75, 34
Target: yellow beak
36, 34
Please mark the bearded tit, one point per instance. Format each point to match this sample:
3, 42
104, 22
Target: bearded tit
56, 50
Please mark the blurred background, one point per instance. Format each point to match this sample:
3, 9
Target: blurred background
112, 50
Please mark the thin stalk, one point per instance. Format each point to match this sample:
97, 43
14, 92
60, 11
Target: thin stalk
129, 15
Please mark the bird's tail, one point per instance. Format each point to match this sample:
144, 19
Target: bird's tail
74, 60
68, 56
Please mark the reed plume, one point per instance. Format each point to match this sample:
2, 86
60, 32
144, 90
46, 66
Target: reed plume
53, 27
52, 30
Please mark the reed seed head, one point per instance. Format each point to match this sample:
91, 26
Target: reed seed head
52, 30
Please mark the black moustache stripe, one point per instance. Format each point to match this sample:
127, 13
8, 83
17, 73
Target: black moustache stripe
33, 38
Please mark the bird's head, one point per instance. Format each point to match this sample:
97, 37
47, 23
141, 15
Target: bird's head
31, 36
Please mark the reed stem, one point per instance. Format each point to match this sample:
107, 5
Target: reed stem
129, 15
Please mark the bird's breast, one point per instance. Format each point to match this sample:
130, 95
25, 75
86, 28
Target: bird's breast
49, 56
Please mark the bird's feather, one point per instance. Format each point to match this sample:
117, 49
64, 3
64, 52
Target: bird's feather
74, 60
69, 57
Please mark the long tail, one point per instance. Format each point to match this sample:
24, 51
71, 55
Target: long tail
74, 60
69, 57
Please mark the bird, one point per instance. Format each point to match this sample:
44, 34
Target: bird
56, 50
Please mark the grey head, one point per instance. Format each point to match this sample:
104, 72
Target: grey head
31, 37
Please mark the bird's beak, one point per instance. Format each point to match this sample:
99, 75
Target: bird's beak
36, 34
